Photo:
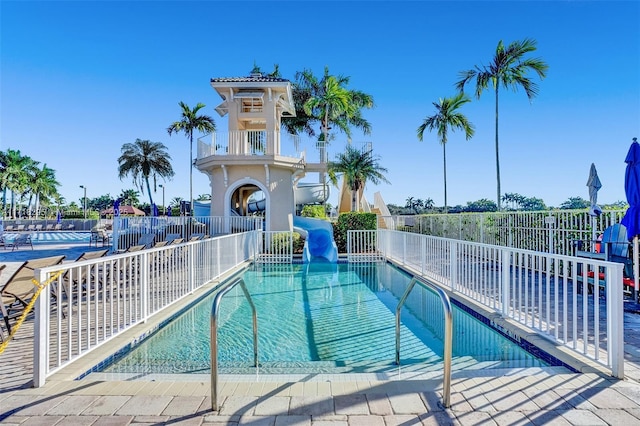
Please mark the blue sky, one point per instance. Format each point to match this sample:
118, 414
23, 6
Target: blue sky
80, 79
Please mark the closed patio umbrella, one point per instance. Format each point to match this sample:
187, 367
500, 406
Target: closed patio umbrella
593, 183
631, 219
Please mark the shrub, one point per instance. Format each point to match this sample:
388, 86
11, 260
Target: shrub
349, 222
313, 211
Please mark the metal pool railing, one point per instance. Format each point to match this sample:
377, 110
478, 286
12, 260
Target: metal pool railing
448, 333
214, 335
93, 301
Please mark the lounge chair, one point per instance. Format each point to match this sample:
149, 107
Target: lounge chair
146, 240
20, 240
39, 227
71, 227
19, 289
101, 235
8, 228
171, 237
74, 278
58, 227
20, 228
49, 227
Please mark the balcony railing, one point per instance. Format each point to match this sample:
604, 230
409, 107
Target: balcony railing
249, 142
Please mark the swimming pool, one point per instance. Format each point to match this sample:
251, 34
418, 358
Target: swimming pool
322, 318
53, 237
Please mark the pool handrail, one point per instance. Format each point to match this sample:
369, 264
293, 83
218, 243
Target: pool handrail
214, 335
448, 333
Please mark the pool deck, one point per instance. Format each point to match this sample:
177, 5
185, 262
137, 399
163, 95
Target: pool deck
536, 396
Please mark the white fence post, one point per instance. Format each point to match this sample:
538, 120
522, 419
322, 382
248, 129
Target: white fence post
41, 346
615, 313
453, 264
144, 286
506, 282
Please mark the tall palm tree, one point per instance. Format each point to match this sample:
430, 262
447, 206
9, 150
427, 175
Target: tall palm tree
189, 122
508, 69
357, 167
447, 118
143, 159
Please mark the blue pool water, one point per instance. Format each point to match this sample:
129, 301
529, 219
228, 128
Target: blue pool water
322, 318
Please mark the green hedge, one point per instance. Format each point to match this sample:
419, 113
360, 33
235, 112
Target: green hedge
351, 222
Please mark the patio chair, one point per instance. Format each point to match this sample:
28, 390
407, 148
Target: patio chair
8, 228
58, 227
39, 227
20, 228
49, 227
19, 289
20, 240
31, 228
613, 247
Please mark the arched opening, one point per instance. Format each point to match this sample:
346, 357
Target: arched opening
247, 197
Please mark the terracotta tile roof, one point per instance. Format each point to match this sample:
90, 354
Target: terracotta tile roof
250, 79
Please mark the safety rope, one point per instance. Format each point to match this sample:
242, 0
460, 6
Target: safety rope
28, 308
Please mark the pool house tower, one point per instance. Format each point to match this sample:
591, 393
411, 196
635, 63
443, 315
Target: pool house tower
254, 156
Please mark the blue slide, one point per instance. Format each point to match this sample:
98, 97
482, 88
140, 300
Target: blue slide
319, 242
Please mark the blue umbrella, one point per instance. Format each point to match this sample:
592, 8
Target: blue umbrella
631, 219
58, 217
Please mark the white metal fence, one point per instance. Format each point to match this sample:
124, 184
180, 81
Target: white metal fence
91, 302
276, 247
129, 231
571, 300
362, 246
556, 231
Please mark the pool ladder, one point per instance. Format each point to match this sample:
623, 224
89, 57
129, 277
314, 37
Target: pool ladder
214, 335
448, 333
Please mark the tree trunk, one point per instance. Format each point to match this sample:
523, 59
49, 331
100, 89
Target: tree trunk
497, 152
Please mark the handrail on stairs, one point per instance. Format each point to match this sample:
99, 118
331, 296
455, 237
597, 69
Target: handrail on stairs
214, 335
448, 333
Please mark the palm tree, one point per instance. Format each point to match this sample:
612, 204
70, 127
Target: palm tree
43, 185
15, 170
143, 159
129, 197
357, 167
447, 117
189, 122
508, 69
328, 101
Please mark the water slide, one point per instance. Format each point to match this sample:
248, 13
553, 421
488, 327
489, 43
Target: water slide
319, 243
